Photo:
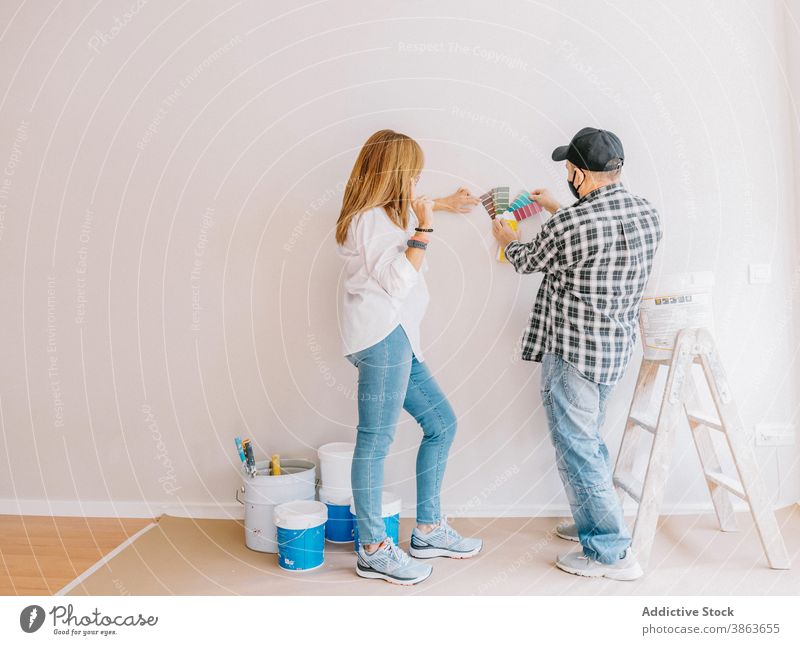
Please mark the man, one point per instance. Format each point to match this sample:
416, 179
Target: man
596, 257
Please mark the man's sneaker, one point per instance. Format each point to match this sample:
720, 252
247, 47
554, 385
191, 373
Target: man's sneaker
567, 531
445, 541
391, 563
626, 568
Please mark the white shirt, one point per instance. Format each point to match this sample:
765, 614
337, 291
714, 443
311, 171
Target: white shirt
382, 289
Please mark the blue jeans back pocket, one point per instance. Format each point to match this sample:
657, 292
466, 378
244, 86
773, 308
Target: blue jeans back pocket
579, 390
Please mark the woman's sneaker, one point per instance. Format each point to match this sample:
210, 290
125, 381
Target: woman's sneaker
567, 531
444, 541
625, 568
392, 564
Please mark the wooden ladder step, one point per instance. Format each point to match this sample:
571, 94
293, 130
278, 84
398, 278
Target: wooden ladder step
628, 483
644, 421
700, 418
728, 483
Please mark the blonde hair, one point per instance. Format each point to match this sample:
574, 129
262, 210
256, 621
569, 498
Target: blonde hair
382, 175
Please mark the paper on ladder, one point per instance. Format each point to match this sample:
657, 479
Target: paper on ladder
678, 302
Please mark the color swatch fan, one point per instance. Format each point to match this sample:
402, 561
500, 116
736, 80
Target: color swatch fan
523, 207
495, 201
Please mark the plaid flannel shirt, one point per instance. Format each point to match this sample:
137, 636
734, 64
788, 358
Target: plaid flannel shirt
596, 256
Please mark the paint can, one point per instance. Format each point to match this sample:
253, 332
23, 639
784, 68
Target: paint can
263, 492
391, 505
339, 527
335, 462
673, 303
301, 535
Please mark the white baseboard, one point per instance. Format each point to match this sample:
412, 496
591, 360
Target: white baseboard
233, 510
71, 508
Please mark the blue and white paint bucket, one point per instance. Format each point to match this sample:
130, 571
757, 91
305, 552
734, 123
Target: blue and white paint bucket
301, 535
390, 511
339, 527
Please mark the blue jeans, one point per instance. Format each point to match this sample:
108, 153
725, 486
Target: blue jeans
576, 409
390, 379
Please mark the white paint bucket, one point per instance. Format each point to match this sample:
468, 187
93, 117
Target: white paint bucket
335, 462
674, 303
263, 492
301, 535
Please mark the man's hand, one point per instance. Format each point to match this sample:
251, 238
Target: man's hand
503, 233
546, 200
461, 201
423, 209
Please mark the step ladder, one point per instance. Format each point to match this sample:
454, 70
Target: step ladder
680, 399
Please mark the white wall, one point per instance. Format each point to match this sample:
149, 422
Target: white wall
167, 262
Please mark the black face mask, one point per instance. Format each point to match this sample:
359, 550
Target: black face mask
573, 189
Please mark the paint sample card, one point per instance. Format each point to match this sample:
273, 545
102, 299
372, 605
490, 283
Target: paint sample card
501, 256
523, 207
519, 201
524, 212
501, 199
488, 203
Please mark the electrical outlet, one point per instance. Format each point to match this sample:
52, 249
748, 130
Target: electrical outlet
759, 273
774, 434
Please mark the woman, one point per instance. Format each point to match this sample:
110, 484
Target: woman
383, 233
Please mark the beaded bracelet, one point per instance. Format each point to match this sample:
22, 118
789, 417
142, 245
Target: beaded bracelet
424, 230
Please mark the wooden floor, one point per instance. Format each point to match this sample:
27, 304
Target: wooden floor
39, 555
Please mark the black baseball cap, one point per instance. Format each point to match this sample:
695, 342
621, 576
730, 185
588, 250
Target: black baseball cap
592, 149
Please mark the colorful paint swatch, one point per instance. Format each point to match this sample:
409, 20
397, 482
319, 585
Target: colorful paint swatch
521, 200
500, 195
523, 207
488, 203
501, 255
527, 211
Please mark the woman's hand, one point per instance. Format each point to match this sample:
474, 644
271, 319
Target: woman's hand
423, 209
461, 201
545, 199
503, 233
